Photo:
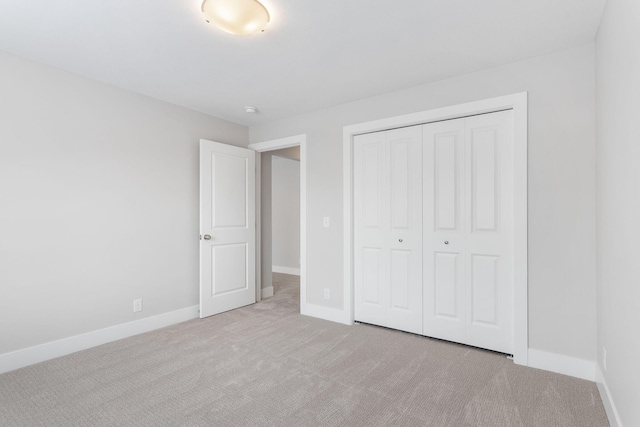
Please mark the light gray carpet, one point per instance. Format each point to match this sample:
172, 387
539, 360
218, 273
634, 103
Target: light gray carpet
266, 365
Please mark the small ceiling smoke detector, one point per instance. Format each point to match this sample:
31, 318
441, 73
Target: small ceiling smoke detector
251, 110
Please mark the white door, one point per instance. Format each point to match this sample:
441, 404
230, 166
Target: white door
489, 165
444, 230
227, 227
388, 228
468, 230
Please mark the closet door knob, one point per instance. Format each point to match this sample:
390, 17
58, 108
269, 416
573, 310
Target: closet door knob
446, 242
400, 240
207, 237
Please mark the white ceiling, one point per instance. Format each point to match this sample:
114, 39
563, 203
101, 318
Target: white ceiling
314, 54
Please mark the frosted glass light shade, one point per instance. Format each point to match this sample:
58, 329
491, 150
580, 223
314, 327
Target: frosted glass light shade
241, 17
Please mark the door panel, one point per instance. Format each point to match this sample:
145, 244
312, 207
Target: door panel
400, 189
229, 268
468, 230
444, 305
370, 272
484, 180
229, 184
400, 279
405, 234
388, 223
227, 227
446, 181
373, 276
484, 289
490, 243
446, 283
372, 185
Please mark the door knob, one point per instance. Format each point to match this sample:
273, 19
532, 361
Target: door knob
400, 240
207, 237
446, 242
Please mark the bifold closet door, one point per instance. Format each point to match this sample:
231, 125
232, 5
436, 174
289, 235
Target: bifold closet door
468, 230
388, 228
445, 251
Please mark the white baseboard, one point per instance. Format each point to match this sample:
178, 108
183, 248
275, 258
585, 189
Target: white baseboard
267, 292
326, 313
51, 350
607, 400
566, 365
285, 270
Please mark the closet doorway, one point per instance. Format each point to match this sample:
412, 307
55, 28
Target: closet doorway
451, 230
433, 230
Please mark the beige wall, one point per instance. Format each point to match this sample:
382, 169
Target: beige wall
618, 208
98, 203
561, 86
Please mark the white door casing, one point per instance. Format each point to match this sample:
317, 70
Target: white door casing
388, 229
227, 227
291, 141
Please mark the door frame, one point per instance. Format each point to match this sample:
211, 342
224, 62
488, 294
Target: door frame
516, 102
277, 144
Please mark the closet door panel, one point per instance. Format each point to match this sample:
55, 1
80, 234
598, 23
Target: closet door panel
405, 234
444, 314
401, 171
446, 195
485, 180
484, 290
371, 287
400, 280
489, 169
372, 184
372, 277
388, 229
446, 282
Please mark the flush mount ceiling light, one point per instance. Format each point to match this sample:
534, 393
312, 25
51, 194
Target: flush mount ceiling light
240, 17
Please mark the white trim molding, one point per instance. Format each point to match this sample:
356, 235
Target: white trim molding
285, 270
51, 350
267, 292
258, 230
517, 103
276, 144
607, 400
561, 364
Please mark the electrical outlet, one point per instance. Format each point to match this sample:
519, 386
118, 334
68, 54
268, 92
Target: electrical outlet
327, 293
604, 358
137, 305
325, 222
